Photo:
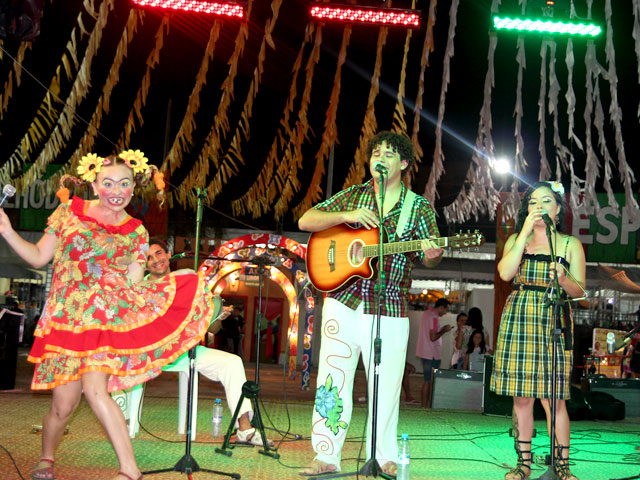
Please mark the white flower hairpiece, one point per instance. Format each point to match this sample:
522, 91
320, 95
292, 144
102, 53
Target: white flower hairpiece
557, 187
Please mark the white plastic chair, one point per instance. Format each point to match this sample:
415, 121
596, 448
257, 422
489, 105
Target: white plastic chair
130, 400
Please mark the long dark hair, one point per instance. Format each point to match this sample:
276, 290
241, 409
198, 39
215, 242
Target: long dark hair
475, 318
471, 346
524, 206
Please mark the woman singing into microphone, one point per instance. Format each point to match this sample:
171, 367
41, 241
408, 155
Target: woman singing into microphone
523, 357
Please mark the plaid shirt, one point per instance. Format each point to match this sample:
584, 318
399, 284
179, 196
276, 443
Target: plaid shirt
421, 224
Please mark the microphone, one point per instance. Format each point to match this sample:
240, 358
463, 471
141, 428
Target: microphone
380, 168
611, 343
547, 219
7, 192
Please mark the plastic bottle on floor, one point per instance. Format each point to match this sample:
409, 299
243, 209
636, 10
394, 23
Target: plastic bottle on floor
216, 420
403, 463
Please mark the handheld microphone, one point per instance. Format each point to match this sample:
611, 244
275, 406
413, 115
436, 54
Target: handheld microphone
7, 192
380, 168
547, 219
611, 343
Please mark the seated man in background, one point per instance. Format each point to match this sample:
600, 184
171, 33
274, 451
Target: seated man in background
216, 365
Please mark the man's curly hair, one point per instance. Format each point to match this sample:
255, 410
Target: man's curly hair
401, 144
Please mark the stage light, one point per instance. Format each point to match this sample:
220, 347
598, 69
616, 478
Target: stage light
389, 17
223, 9
532, 25
501, 165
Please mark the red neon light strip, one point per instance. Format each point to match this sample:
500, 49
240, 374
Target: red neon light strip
226, 9
384, 16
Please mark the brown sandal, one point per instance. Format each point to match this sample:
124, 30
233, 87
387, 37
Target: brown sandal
128, 477
44, 473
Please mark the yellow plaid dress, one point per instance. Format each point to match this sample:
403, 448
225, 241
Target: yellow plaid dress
522, 364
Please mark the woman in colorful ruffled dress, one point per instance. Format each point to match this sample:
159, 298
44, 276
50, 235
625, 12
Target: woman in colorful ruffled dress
523, 356
101, 330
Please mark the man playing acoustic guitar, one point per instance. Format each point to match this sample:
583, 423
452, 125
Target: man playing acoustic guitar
349, 311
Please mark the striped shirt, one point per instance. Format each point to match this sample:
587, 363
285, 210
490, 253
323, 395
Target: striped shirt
421, 224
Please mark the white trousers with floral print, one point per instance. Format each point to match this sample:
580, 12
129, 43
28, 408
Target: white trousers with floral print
346, 334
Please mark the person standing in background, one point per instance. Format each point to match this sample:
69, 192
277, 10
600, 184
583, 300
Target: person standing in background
429, 347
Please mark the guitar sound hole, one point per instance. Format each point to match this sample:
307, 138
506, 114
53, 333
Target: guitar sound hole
355, 253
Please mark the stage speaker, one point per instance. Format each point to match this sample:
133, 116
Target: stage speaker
457, 390
492, 403
625, 390
9, 332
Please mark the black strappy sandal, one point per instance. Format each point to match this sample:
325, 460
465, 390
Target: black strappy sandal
522, 469
562, 464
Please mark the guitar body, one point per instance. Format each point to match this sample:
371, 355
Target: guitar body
341, 255
334, 256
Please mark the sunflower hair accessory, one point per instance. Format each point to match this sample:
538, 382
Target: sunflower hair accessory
89, 166
557, 187
135, 160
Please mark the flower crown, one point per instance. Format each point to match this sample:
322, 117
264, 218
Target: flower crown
557, 187
91, 164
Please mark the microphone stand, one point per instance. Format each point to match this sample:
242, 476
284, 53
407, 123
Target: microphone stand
371, 467
251, 389
187, 464
555, 301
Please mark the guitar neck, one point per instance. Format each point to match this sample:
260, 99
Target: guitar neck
402, 247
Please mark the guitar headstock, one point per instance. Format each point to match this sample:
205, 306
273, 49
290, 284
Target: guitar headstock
466, 240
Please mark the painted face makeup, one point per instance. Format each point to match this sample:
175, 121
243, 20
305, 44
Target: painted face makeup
114, 186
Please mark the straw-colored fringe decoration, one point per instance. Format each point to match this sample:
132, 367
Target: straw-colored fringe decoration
545, 169
88, 139
563, 155
636, 37
293, 154
8, 85
330, 134
370, 125
259, 196
233, 157
511, 205
196, 178
478, 195
46, 114
143, 91
592, 165
437, 168
399, 121
62, 131
427, 47
627, 176
184, 137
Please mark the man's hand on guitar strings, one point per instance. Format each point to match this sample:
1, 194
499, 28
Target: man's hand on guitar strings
367, 218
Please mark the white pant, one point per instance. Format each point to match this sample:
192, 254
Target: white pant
227, 369
345, 335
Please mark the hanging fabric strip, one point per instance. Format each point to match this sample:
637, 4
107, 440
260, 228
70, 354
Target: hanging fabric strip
545, 169
143, 91
255, 198
230, 161
511, 205
598, 122
184, 137
197, 176
7, 91
562, 153
79, 90
399, 124
636, 38
330, 135
627, 176
477, 195
370, 124
589, 203
88, 139
427, 48
437, 168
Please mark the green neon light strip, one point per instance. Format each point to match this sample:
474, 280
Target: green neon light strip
546, 26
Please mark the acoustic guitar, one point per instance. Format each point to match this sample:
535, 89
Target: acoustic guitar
340, 255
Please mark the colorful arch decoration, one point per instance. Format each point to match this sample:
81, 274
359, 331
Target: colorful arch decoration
252, 245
